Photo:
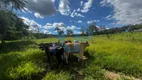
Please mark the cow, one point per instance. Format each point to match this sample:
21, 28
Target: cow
77, 47
53, 49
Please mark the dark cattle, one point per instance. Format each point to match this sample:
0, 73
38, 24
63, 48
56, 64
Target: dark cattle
52, 50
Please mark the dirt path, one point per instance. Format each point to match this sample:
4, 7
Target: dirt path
115, 76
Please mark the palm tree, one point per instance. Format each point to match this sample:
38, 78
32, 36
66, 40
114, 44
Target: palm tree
16, 4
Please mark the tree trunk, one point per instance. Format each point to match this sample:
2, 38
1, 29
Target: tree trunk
6, 28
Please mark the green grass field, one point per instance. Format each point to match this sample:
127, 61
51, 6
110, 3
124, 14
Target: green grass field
120, 53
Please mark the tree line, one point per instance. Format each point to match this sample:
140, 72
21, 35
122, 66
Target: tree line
128, 28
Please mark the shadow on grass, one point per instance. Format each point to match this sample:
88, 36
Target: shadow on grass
73, 68
8, 62
15, 46
11, 61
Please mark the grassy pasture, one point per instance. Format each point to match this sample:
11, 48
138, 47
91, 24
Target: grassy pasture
120, 53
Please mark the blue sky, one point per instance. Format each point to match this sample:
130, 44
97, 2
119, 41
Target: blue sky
45, 15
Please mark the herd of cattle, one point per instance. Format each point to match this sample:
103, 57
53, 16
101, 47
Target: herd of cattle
62, 50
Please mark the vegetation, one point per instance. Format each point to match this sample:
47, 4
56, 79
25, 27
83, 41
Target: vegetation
16, 29
121, 53
117, 50
16, 4
128, 28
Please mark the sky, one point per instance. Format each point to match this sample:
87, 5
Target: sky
45, 15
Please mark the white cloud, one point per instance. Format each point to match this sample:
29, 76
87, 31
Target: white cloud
86, 6
25, 10
34, 26
60, 24
43, 7
38, 15
71, 27
108, 17
52, 26
46, 31
77, 32
48, 26
75, 29
79, 15
74, 13
93, 22
125, 11
78, 9
81, 3
79, 21
64, 9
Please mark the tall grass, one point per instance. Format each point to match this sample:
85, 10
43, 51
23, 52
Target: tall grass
119, 53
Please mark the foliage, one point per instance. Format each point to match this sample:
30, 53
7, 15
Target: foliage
128, 28
16, 28
60, 32
54, 76
15, 4
119, 53
70, 32
93, 28
4, 20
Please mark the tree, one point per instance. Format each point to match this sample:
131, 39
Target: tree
16, 4
82, 31
4, 22
70, 32
60, 32
16, 28
92, 28
102, 28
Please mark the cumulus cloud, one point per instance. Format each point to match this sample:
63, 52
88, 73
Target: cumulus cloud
76, 30
48, 28
71, 27
34, 26
52, 26
125, 11
86, 6
43, 7
46, 31
64, 9
93, 22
